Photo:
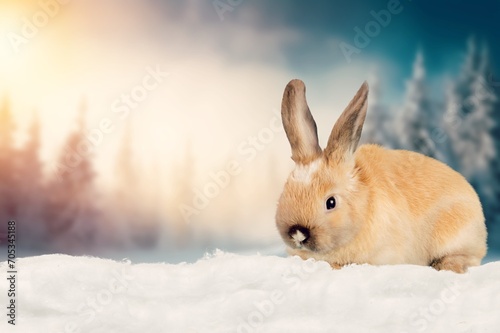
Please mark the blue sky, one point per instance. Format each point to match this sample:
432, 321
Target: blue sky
440, 28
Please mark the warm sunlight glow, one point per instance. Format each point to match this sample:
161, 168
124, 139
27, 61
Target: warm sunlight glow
8, 15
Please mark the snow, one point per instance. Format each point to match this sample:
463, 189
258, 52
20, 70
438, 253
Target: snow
226, 292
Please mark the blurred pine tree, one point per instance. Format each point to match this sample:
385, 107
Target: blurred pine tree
71, 214
9, 160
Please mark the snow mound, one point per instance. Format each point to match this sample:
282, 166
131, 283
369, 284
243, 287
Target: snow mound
233, 293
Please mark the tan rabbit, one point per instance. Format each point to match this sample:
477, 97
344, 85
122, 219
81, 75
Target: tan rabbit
372, 205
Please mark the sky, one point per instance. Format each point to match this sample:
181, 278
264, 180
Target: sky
439, 28
227, 63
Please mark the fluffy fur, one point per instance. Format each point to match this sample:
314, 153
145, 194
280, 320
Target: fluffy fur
392, 206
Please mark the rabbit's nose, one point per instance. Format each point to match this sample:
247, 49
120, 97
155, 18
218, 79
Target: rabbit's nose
299, 234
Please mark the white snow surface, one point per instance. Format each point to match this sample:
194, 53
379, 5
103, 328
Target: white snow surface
226, 292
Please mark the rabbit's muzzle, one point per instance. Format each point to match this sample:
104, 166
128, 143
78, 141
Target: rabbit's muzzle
299, 235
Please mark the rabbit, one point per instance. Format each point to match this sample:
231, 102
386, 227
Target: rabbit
348, 204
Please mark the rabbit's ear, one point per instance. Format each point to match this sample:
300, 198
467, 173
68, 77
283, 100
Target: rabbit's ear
299, 124
346, 132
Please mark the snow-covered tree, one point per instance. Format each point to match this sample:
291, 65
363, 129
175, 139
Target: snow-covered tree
418, 117
494, 209
485, 111
451, 122
484, 114
460, 101
458, 106
378, 124
471, 128
477, 146
468, 73
472, 121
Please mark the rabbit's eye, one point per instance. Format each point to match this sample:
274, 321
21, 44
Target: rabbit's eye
330, 203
